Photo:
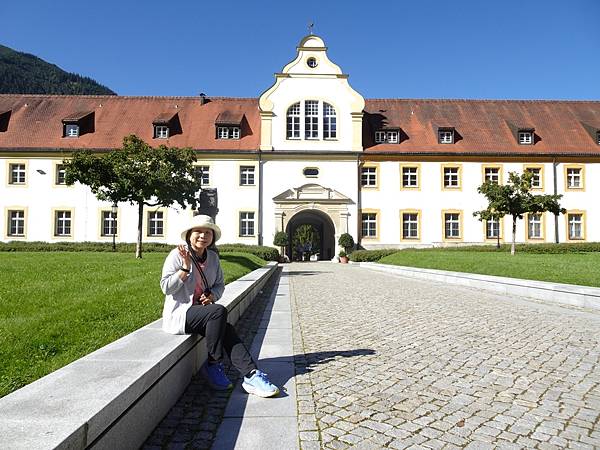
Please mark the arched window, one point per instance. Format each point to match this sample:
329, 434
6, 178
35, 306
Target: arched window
293, 121
311, 120
329, 122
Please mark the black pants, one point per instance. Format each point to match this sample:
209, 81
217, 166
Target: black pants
210, 321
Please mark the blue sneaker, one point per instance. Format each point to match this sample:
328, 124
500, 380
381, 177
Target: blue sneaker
259, 384
215, 376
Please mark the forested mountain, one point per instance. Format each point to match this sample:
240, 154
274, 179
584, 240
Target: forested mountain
22, 73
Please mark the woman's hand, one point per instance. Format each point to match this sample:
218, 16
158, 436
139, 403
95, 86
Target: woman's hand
207, 299
186, 259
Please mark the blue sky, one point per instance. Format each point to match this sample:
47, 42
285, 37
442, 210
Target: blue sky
505, 49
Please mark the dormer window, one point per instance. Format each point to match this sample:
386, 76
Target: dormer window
598, 137
387, 137
525, 137
229, 125
71, 130
445, 136
78, 124
161, 132
4, 119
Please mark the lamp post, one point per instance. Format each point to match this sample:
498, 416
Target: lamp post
114, 210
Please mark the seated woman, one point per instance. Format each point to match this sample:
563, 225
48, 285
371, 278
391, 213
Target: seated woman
192, 281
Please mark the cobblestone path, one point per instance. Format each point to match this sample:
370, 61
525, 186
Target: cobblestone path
390, 362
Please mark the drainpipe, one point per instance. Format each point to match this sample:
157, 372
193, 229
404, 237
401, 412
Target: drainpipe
358, 203
554, 164
260, 199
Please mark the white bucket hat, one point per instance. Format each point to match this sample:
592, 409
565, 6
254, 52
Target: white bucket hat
201, 221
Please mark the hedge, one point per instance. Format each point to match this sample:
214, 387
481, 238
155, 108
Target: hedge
266, 253
371, 255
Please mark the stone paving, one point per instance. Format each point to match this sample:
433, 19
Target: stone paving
391, 362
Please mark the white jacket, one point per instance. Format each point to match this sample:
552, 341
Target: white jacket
179, 294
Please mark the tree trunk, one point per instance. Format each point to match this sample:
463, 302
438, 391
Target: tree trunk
514, 235
138, 245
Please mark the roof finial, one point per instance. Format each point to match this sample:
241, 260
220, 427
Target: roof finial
311, 25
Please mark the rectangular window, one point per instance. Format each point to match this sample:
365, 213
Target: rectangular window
235, 132
575, 221
311, 119
445, 136
71, 130
17, 173
536, 180
369, 225
161, 132
574, 180
247, 176
410, 177
59, 176
451, 177
534, 226
390, 137
410, 225
379, 137
156, 223
525, 137
293, 122
16, 223
222, 133
492, 229
109, 223
368, 176
491, 174
204, 173
246, 224
62, 223
452, 225
329, 122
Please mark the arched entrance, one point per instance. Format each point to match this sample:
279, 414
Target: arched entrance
323, 226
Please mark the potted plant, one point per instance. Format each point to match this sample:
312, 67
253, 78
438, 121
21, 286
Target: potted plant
343, 257
281, 240
346, 242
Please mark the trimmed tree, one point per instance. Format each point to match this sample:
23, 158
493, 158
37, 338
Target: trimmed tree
138, 174
515, 199
281, 240
346, 241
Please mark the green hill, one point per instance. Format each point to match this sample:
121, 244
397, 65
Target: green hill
22, 73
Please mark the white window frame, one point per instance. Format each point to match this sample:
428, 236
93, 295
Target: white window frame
235, 132
63, 223
492, 228
293, 118
161, 132
368, 176
205, 178
387, 137
536, 179
452, 225
247, 177
574, 178
412, 178
16, 222
410, 225
222, 132
451, 180
446, 136
575, 226
368, 222
59, 175
534, 226
110, 223
17, 173
155, 223
380, 137
71, 130
247, 224
525, 137
493, 175
329, 122
311, 120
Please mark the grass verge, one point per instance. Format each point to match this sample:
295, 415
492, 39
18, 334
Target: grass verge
57, 307
570, 268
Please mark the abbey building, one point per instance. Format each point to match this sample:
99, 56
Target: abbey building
310, 149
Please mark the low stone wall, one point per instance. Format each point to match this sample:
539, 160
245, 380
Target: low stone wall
114, 397
569, 294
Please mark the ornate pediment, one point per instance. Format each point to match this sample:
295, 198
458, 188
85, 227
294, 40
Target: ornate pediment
312, 193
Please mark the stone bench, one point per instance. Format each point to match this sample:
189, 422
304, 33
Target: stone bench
114, 397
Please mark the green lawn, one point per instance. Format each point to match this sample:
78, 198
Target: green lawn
571, 268
57, 307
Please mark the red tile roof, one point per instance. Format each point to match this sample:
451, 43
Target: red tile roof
483, 127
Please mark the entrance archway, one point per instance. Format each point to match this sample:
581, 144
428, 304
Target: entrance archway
324, 227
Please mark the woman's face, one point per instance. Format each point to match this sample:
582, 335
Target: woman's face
200, 238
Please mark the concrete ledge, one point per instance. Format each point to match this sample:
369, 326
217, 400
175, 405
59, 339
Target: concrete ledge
114, 397
569, 294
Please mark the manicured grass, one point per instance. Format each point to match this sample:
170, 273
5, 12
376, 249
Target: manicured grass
57, 307
570, 268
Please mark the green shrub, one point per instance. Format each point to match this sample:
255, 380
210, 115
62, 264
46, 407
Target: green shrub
547, 248
35, 246
347, 242
264, 252
280, 239
371, 255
